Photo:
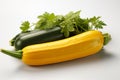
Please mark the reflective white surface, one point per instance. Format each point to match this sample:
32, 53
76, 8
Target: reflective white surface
103, 66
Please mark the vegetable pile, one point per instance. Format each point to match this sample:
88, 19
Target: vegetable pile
70, 24
56, 32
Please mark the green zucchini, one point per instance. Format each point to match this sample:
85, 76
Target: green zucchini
38, 36
12, 41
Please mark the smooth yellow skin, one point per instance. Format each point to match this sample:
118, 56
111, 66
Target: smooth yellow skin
78, 46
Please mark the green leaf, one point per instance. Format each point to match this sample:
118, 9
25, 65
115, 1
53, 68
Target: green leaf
48, 21
72, 15
66, 32
69, 23
96, 23
25, 26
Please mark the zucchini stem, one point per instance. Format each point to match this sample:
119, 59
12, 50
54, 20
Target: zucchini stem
107, 38
16, 54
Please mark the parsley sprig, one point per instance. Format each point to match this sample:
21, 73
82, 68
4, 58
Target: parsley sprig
25, 26
47, 21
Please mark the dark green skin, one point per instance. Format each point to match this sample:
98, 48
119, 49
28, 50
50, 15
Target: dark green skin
38, 36
12, 41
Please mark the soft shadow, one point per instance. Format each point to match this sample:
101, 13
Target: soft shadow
100, 56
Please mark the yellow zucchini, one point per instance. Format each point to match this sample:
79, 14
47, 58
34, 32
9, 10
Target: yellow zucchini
74, 47
78, 46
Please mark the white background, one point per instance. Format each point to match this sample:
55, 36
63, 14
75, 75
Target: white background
103, 66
